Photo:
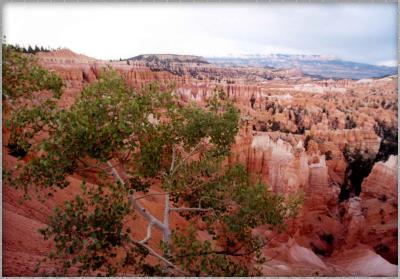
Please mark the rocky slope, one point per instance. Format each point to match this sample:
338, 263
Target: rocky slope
379, 207
294, 131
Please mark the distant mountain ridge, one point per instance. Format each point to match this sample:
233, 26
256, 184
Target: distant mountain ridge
318, 66
170, 58
199, 68
280, 55
325, 66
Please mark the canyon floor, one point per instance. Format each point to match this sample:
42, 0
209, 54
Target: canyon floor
296, 131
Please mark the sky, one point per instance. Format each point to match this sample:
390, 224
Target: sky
358, 32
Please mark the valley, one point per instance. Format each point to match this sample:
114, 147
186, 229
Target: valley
334, 139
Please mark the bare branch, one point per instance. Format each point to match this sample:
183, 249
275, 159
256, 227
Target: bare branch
97, 166
147, 215
115, 173
173, 159
206, 197
108, 168
122, 158
166, 232
153, 194
223, 252
158, 256
190, 209
83, 162
191, 153
148, 235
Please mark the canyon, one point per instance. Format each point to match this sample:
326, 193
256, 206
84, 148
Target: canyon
297, 132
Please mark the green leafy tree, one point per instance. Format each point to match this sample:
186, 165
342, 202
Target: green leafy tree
134, 140
22, 75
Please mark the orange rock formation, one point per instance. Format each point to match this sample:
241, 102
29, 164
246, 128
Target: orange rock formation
293, 133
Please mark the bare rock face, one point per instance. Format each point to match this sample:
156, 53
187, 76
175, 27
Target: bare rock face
354, 221
379, 206
357, 138
292, 258
335, 162
280, 165
382, 180
78, 70
73, 68
202, 91
271, 158
362, 261
318, 180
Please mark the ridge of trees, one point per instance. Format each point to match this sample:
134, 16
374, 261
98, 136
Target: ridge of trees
31, 49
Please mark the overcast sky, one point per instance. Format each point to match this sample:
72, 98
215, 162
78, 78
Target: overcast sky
356, 32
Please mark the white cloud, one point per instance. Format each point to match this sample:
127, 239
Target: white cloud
388, 63
350, 31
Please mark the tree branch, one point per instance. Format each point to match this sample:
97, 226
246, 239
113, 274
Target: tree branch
153, 221
223, 252
148, 235
186, 157
88, 167
153, 194
135, 204
127, 155
115, 173
158, 256
205, 197
146, 214
83, 162
173, 159
189, 209
166, 232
